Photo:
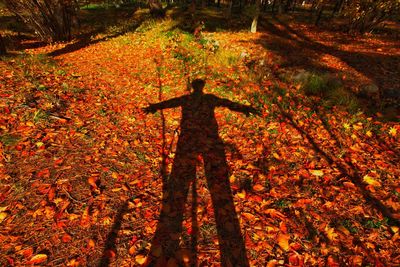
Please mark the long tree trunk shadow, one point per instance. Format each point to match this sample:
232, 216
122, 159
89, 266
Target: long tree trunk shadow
347, 168
110, 244
198, 137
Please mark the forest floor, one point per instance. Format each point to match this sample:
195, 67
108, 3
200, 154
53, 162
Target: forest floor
314, 178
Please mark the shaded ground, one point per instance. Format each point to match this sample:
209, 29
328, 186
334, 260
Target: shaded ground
359, 60
82, 167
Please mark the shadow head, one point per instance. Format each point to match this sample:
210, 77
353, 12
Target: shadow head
198, 85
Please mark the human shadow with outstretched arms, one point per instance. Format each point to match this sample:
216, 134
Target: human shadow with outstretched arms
198, 136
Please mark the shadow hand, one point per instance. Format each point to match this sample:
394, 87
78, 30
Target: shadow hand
252, 111
149, 109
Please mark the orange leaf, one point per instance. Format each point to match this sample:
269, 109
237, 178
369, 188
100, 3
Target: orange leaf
39, 258
258, 188
27, 252
132, 250
110, 253
140, 259
92, 181
52, 193
91, 244
66, 238
249, 216
283, 241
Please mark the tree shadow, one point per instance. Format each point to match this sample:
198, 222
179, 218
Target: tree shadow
86, 39
198, 137
119, 20
346, 167
211, 19
110, 243
297, 50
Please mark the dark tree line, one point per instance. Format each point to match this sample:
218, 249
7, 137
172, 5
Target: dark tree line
53, 20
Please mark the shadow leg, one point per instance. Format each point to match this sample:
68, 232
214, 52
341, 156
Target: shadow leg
233, 251
166, 238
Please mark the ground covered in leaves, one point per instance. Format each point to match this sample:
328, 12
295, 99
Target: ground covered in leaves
314, 184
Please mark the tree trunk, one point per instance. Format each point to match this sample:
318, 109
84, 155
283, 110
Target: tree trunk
273, 7
3, 50
50, 19
255, 18
228, 12
319, 14
338, 7
156, 8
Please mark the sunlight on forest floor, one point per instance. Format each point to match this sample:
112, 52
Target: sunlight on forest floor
314, 178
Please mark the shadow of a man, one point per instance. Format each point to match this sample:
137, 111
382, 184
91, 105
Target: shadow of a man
198, 136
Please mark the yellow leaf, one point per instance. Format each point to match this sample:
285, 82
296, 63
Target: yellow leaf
369, 133
39, 144
276, 156
107, 220
369, 180
330, 232
3, 215
140, 259
114, 175
72, 216
393, 131
317, 173
241, 194
346, 126
73, 263
38, 258
283, 241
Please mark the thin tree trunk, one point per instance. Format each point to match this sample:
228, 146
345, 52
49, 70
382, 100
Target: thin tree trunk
273, 7
338, 6
228, 13
255, 18
319, 14
3, 50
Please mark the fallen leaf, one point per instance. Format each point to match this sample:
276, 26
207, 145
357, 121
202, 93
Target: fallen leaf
283, 241
330, 233
132, 250
258, 188
140, 259
317, 173
393, 131
39, 258
92, 181
371, 181
3, 215
250, 217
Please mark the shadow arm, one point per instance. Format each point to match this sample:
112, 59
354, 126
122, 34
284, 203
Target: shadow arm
171, 103
245, 109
